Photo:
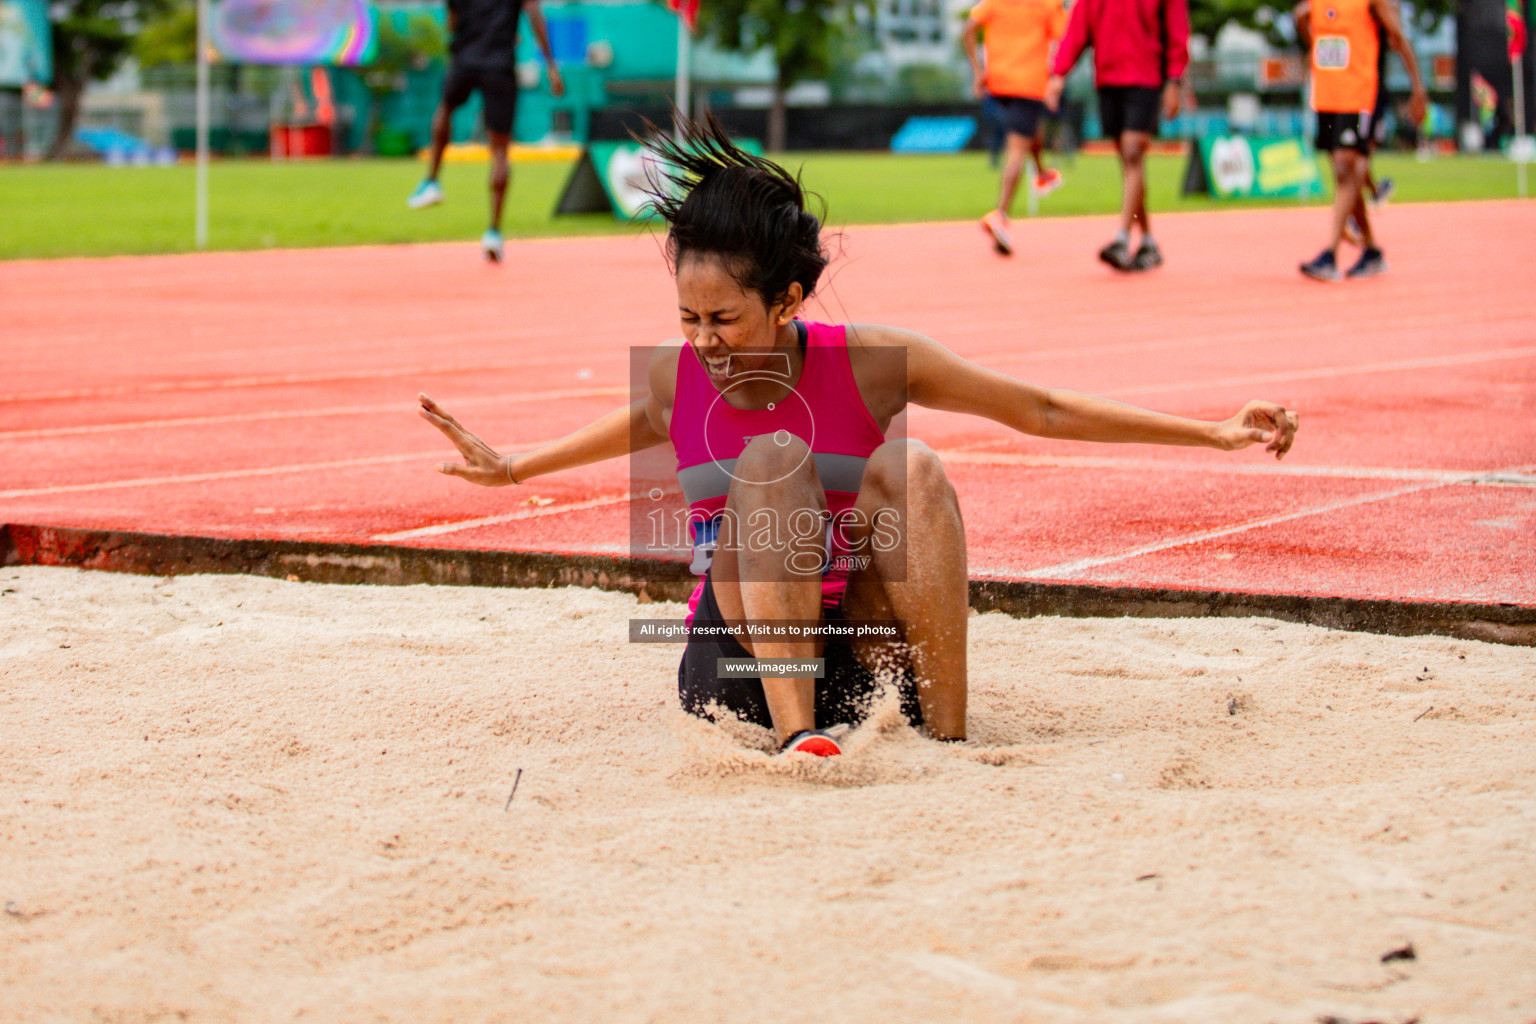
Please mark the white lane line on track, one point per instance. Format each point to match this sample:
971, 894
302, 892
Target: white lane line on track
1425, 363
1264, 469
273, 380
240, 474
230, 474
510, 517
402, 408
1068, 570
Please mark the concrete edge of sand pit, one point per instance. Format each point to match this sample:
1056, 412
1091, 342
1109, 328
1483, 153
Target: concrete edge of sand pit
152, 554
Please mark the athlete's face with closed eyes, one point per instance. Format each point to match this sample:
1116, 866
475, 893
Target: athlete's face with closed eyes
732, 330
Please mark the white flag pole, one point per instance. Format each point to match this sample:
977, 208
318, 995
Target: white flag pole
1522, 146
684, 71
202, 124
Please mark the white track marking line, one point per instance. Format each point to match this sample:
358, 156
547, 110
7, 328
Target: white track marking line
1066, 570
275, 380
1265, 469
239, 474
510, 517
296, 414
1425, 363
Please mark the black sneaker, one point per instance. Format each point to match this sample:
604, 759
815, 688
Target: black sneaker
1371, 262
1147, 257
1118, 255
1323, 268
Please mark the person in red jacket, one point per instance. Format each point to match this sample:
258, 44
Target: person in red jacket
1140, 49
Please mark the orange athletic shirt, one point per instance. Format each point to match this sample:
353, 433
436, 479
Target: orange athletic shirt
1018, 39
1345, 46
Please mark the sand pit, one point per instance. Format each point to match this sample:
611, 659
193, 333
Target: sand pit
239, 799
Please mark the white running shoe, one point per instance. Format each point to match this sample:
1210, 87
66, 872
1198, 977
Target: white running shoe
490, 245
428, 193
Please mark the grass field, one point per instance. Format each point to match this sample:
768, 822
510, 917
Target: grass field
79, 210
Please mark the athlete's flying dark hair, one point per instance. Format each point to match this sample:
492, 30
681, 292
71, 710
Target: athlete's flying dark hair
719, 199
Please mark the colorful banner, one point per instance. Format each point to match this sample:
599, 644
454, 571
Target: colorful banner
1514, 19
1252, 167
26, 44
341, 32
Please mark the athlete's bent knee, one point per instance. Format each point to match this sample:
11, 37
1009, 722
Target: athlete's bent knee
769, 458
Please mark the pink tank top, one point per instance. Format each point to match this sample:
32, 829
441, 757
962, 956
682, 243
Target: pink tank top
824, 409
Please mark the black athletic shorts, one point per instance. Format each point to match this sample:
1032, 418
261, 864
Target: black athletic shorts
1020, 115
1128, 108
842, 696
497, 88
1344, 131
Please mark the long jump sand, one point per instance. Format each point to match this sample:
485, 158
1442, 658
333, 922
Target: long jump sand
241, 799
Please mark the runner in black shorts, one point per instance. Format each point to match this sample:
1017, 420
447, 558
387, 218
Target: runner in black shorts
1141, 51
1018, 39
1128, 108
484, 60
1344, 131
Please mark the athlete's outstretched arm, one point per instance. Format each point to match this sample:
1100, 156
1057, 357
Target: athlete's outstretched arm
541, 36
620, 432
1302, 16
1388, 16
939, 379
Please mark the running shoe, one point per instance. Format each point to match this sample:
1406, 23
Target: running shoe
812, 741
1118, 255
996, 225
1371, 262
490, 245
428, 193
1322, 268
1147, 257
1384, 189
1048, 181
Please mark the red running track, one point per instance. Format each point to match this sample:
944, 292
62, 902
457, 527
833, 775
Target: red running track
271, 395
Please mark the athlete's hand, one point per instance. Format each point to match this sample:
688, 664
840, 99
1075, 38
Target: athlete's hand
979, 86
481, 463
1418, 106
1259, 423
1172, 96
556, 83
1053, 87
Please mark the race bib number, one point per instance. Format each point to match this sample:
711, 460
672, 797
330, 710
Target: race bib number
1332, 53
706, 538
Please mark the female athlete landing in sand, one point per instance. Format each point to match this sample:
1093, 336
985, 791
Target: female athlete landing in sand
801, 509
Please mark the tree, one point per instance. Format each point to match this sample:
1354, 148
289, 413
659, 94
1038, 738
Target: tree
414, 48
90, 40
801, 34
170, 38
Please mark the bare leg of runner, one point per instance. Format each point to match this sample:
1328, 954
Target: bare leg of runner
921, 580
501, 173
1133, 204
442, 121
1037, 150
1347, 173
761, 574
1013, 168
